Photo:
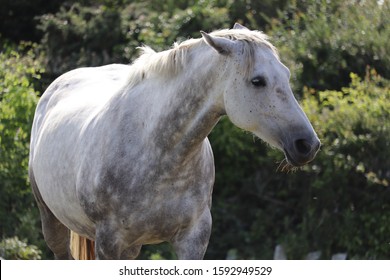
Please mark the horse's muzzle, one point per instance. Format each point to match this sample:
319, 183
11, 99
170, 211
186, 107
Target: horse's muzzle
301, 151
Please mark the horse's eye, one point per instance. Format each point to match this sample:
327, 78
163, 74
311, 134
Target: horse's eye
259, 81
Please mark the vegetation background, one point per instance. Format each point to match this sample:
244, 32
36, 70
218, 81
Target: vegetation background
338, 53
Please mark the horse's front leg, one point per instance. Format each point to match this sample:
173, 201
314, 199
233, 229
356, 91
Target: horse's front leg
191, 244
107, 244
110, 244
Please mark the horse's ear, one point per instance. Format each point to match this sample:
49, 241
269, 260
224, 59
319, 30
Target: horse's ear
239, 26
222, 45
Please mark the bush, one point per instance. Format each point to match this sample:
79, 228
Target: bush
322, 42
349, 194
14, 249
18, 98
79, 36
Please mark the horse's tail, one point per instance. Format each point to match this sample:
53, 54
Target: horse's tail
81, 247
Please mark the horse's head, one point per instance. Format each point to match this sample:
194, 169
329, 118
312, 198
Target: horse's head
257, 96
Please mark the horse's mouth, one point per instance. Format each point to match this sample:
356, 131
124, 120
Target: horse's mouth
299, 160
292, 161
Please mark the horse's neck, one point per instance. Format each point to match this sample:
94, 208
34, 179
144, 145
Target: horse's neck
189, 113
181, 112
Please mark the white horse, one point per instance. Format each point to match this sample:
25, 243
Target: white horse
120, 155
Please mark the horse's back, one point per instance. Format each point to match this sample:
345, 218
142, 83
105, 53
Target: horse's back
76, 94
84, 86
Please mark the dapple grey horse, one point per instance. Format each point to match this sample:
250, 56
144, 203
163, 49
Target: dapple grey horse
120, 155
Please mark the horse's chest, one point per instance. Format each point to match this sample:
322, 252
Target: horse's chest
153, 207
163, 211
149, 193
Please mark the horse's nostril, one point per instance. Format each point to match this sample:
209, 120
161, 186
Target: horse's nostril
302, 146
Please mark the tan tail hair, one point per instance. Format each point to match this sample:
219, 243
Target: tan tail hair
81, 247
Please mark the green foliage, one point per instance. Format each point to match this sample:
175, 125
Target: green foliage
14, 249
163, 24
322, 41
18, 213
352, 176
355, 120
256, 14
79, 36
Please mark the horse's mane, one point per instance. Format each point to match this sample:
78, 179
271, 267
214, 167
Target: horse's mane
172, 61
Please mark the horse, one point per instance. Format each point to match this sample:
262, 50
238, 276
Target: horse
119, 153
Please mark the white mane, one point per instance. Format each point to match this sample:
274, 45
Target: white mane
172, 61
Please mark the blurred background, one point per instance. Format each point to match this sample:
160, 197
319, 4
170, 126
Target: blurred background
338, 54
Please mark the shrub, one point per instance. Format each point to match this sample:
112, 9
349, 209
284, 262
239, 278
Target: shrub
14, 249
323, 41
18, 98
348, 194
79, 36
